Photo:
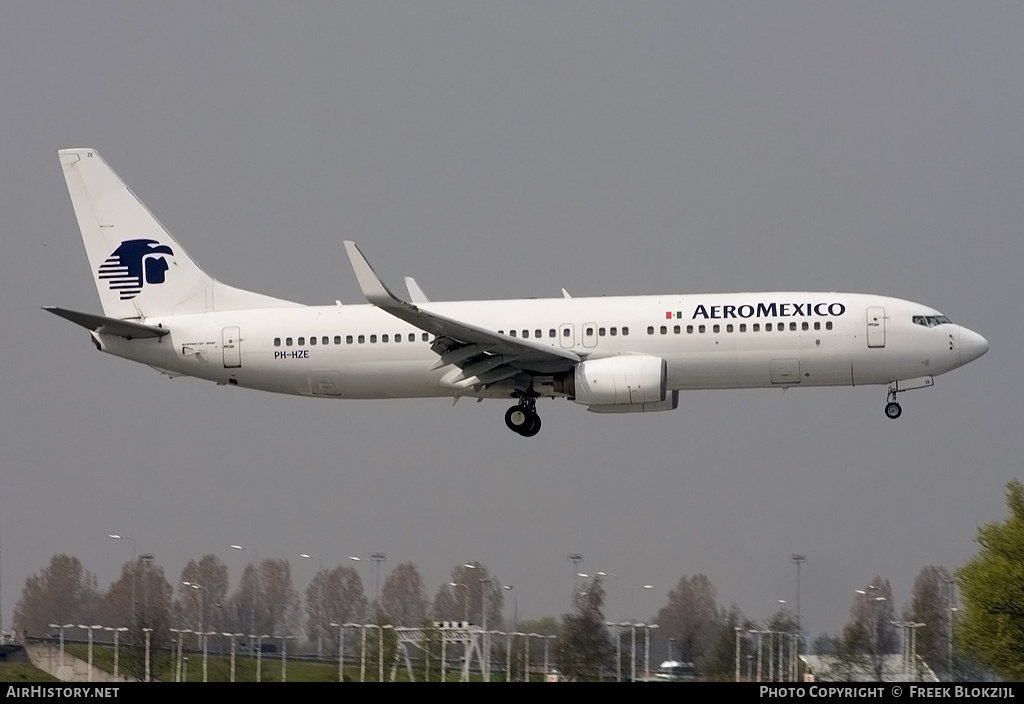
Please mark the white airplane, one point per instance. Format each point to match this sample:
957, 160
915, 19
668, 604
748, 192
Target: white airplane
613, 355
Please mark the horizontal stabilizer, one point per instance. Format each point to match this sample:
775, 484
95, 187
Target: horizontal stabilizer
108, 326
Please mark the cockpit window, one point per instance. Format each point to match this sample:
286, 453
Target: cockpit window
930, 321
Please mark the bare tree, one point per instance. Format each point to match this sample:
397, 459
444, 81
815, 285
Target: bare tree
62, 592
334, 596
691, 616
930, 604
873, 610
266, 602
403, 597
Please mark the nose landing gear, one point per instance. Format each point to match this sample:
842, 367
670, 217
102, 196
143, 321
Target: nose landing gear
523, 418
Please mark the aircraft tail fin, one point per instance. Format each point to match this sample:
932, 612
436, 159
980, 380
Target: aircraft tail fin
138, 267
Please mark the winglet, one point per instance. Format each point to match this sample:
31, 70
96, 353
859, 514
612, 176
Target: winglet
416, 294
374, 290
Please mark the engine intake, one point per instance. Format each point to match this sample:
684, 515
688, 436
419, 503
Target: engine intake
628, 379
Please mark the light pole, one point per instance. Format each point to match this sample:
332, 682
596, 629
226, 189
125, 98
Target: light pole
90, 629
465, 600
202, 609
341, 647
515, 605
378, 557
319, 604
798, 560
256, 583
575, 558
147, 631
115, 536
284, 656
632, 600
61, 628
233, 637
116, 632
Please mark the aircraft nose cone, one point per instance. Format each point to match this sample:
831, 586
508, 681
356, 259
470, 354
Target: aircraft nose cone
972, 345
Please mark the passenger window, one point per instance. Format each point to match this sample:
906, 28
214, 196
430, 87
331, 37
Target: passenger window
728, 328
792, 326
805, 326
538, 334
384, 338
551, 332
565, 333
326, 340
526, 333
613, 331
512, 333
743, 327
650, 329
716, 328
625, 330
828, 325
664, 330
600, 332
337, 339
817, 326
312, 341
362, 339
348, 339
373, 338
757, 327
412, 337
590, 332
277, 342
426, 337
702, 328
398, 337
676, 329
768, 327
689, 329
302, 341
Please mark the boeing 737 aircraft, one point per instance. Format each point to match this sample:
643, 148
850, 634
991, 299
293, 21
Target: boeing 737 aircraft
613, 355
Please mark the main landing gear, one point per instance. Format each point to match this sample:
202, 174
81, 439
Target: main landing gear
523, 418
892, 409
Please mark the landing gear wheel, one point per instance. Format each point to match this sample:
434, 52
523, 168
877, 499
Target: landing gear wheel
523, 420
533, 429
517, 418
893, 410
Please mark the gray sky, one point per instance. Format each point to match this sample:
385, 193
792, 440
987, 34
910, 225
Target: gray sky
499, 150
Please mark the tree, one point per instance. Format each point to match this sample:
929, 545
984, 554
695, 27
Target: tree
266, 603
334, 596
63, 592
930, 603
153, 610
992, 592
691, 617
718, 662
403, 597
584, 647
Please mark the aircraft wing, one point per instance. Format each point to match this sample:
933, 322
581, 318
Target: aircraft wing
474, 349
108, 326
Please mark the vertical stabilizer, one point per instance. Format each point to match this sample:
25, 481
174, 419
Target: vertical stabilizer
139, 269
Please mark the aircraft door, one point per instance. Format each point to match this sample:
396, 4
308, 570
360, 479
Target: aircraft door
589, 335
876, 326
232, 347
567, 335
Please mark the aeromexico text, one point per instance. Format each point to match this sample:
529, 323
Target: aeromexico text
769, 310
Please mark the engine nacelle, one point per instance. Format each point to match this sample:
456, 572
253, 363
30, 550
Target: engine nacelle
629, 379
